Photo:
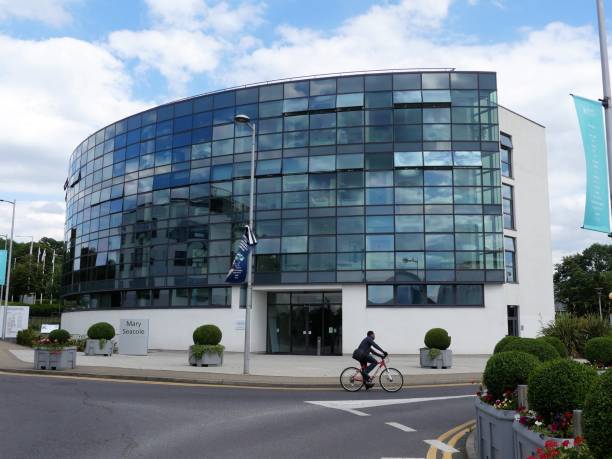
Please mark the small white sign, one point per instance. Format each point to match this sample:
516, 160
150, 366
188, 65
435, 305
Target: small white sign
16, 319
134, 336
239, 325
48, 328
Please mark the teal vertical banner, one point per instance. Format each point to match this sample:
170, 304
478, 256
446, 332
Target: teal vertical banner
597, 206
2, 267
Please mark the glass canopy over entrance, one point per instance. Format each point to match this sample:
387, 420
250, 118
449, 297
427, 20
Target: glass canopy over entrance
304, 323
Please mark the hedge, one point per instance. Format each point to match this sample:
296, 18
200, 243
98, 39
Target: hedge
598, 417
506, 370
556, 343
437, 338
502, 343
599, 351
540, 349
558, 386
207, 334
101, 330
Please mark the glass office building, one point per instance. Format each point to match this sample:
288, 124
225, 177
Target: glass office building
388, 181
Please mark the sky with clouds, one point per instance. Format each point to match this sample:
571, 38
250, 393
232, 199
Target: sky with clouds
70, 67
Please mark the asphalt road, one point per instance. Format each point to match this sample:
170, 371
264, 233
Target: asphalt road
43, 417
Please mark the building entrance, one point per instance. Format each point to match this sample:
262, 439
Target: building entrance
308, 323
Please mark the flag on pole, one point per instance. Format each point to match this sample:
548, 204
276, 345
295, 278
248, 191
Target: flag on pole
597, 202
38, 256
238, 271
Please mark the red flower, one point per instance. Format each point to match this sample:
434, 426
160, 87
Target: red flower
565, 443
578, 441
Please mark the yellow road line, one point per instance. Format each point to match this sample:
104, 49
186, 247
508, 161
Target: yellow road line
203, 384
455, 439
431, 453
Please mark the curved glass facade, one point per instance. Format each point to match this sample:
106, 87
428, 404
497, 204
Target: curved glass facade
389, 179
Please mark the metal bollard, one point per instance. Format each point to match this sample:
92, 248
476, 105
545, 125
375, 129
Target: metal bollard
318, 345
577, 420
522, 396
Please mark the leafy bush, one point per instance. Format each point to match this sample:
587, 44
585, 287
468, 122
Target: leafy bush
540, 349
207, 334
60, 336
437, 338
574, 331
506, 370
501, 344
101, 330
598, 417
556, 343
198, 350
27, 337
558, 386
599, 351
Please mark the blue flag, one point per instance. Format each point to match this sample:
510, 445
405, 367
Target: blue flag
238, 271
597, 205
2, 267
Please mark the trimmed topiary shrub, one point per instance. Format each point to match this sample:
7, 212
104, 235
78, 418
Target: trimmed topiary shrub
101, 330
599, 351
60, 336
207, 335
27, 337
556, 343
502, 343
558, 386
437, 338
598, 417
506, 370
540, 349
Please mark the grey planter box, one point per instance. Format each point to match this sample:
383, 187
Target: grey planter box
527, 442
92, 347
444, 360
208, 359
494, 432
55, 359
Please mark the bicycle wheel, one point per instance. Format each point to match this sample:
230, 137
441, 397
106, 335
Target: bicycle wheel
351, 379
391, 380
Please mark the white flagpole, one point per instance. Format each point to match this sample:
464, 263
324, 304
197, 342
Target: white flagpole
605, 77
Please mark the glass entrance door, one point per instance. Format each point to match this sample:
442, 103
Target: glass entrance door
304, 328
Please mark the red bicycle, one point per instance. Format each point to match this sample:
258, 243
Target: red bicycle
390, 379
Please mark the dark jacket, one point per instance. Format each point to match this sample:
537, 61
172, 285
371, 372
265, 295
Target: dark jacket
366, 345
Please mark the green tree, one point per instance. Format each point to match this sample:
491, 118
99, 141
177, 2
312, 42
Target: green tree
577, 277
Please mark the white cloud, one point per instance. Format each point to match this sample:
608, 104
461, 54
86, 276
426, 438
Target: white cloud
188, 37
54, 94
52, 12
176, 54
34, 218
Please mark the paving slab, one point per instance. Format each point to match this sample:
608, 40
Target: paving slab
266, 369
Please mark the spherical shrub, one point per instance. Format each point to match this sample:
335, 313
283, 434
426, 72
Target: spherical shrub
556, 343
502, 343
542, 350
558, 386
60, 335
101, 330
437, 338
207, 334
599, 351
506, 370
598, 417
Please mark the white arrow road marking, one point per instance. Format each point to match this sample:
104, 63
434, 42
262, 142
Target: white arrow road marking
401, 427
441, 446
353, 406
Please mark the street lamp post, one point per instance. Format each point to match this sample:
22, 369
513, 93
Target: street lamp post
599, 291
8, 269
244, 119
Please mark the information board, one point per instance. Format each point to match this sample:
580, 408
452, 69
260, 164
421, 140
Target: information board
134, 336
16, 319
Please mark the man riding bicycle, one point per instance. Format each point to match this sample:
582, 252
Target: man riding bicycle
363, 354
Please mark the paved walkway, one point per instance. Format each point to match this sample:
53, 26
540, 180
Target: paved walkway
265, 369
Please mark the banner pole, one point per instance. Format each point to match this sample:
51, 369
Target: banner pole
605, 77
